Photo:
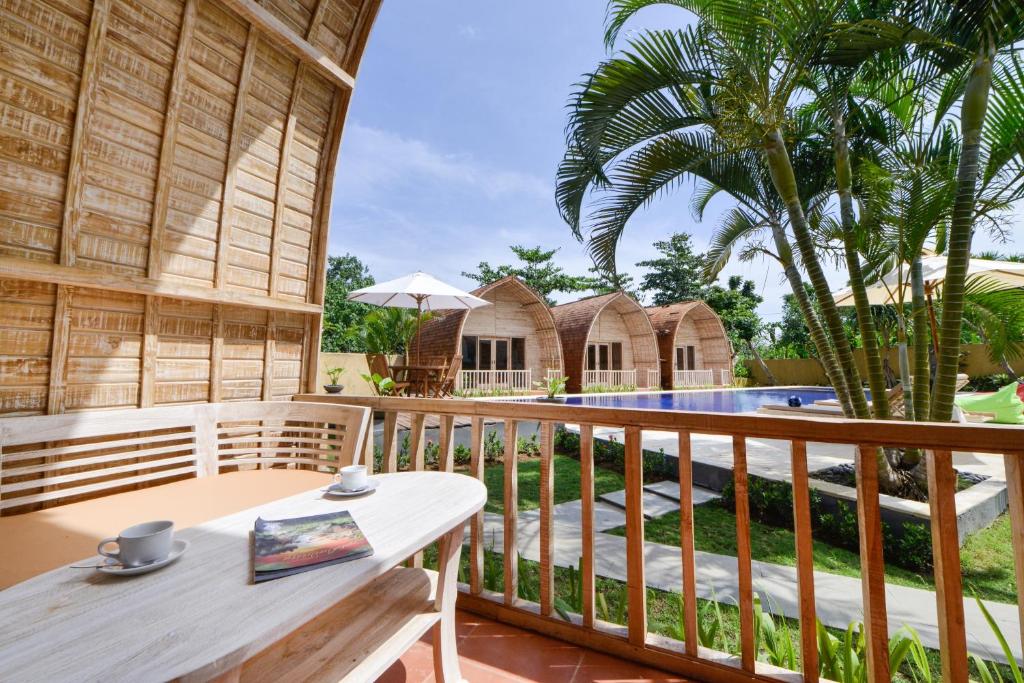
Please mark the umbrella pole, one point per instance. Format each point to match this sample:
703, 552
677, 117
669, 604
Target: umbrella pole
419, 318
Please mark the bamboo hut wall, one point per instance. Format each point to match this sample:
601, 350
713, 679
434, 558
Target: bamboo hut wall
165, 176
580, 322
516, 311
690, 323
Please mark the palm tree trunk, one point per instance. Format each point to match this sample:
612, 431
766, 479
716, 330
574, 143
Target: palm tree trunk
972, 118
922, 337
866, 322
817, 332
760, 362
784, 179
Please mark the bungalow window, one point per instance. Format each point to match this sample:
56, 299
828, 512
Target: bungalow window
518, 353
686, 358
488, 353
469, 353
604, 356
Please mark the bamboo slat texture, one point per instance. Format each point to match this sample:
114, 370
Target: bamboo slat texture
165, 179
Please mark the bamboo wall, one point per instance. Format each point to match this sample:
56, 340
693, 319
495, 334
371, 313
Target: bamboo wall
165, 177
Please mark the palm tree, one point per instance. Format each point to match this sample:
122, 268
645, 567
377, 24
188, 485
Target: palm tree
759, 210
971, 40
675, 103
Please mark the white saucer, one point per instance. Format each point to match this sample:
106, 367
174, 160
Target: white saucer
336, 490
178, 548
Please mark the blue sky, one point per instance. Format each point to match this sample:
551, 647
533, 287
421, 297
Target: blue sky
455, 133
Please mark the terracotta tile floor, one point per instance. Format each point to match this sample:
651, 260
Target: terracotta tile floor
489, 651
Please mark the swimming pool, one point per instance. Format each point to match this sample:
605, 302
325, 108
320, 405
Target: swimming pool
710, 401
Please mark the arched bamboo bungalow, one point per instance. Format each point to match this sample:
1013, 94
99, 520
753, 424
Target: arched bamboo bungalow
506, 346
608, 341
693, 345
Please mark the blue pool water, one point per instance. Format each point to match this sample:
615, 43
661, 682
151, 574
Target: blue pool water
711, 400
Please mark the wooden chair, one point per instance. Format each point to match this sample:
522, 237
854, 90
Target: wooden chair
378, 364
446, 387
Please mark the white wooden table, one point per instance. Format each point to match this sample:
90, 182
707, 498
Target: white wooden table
203, 616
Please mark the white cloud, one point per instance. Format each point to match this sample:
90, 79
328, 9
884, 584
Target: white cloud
375, 162
469, 31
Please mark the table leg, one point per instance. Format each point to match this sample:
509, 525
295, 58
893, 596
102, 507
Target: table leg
446, 657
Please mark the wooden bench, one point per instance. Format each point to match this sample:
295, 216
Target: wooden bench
67, 481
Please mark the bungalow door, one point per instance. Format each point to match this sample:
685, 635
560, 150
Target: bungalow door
603, 357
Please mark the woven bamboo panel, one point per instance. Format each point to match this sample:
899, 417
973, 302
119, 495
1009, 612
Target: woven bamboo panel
165, 177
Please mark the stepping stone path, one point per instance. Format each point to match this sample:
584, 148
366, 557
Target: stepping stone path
659, 499
670, 489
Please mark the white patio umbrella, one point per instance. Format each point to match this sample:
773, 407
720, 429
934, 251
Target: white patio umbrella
420, 291
1007, 274
1002, 274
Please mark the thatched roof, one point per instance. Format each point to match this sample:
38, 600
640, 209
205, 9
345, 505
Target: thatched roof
715, 346
575, 321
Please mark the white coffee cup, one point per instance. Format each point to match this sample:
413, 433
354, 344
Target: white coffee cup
141, 544
352, 477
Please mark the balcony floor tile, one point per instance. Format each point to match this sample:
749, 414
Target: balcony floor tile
490, 652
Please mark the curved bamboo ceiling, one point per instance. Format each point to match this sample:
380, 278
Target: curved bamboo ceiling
167, 169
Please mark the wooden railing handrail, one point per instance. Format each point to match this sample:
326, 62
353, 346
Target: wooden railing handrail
988, 438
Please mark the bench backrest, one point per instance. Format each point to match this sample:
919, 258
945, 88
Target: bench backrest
53, 459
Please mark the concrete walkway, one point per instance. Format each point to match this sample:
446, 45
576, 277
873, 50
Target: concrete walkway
838, 598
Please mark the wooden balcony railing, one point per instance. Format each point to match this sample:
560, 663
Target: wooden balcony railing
495, 380
694, 378
609, 378
634, 642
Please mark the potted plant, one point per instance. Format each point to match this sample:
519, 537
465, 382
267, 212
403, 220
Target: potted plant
334, 374
382, 386
553, 387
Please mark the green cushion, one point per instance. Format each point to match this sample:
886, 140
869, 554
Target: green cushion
1005, 404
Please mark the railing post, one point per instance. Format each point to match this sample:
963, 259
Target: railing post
690, 637
547, 503
872, 565
1013, 463
389, 457
804, 561
636, 584
587, 522
744, 574
476, 524
511, 505
446, 443
946, 554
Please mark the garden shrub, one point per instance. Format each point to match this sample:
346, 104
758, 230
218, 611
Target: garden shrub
834, 522
610, 454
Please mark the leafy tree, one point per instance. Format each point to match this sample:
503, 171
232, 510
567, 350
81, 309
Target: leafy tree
537, 269
606, 283
341, 317
676, 275
386, 330
737, 305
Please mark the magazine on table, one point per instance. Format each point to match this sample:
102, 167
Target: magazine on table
282, 547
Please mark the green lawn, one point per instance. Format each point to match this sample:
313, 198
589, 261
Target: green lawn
567, 482
987, 566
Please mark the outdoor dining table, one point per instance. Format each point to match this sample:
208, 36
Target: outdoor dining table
202, 616
422, 375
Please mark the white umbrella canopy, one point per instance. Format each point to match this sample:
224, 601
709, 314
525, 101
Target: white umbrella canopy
420, 291
1005, 274
417, 290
